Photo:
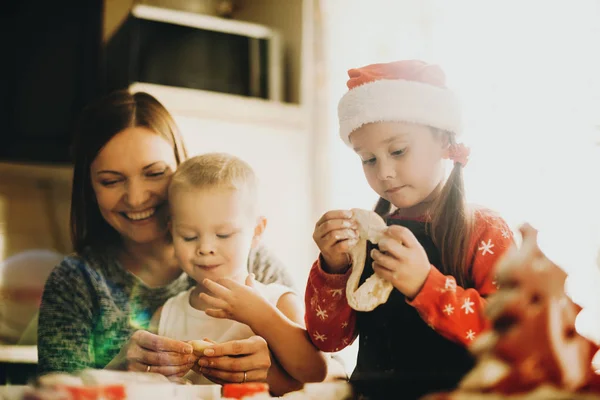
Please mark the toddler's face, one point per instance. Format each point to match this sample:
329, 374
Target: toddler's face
213, 231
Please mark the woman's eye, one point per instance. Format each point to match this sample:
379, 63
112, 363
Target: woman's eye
109, 183
398, 152
155, 174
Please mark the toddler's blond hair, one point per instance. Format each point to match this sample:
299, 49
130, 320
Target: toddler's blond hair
216, 170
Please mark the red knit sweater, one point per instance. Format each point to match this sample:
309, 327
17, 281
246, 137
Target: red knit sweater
454, 312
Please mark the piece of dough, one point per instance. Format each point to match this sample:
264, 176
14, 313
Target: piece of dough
199, 346
375, 290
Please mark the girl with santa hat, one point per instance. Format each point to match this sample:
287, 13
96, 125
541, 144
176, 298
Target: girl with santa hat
438, 252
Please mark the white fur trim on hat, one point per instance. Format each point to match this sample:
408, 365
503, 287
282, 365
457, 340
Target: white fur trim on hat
398, 100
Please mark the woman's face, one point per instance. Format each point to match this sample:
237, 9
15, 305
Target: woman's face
130, 177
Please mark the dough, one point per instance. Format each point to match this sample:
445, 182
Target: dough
375, 290
199, 346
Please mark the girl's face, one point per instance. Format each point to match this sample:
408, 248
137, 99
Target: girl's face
403, 162
130, 176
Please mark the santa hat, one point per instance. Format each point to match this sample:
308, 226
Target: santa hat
404, 91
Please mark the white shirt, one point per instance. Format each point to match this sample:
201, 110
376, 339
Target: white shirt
179, 320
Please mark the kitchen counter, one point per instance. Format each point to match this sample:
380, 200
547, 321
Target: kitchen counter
18, 354
18, 364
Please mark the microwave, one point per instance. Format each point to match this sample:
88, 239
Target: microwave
195, 51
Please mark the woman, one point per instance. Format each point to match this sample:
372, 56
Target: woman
98, 303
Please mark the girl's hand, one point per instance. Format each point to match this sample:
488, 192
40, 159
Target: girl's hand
147, 352
232, 300
238, 361
401, 260
335, 234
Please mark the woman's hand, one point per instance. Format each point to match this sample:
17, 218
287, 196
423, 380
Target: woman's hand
232, 300
147, 352
401, 260
238, 361
335, 234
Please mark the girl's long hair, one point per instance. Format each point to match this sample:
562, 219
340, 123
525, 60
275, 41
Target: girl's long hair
450, 223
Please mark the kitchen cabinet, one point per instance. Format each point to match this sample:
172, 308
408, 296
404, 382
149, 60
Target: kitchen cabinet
50, 66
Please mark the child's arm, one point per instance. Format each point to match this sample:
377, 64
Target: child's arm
457, 313
280, 326
283, 329
330, 321
280, 382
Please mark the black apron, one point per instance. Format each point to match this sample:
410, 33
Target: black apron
398, 352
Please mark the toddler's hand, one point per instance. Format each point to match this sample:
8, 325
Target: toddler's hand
335, 234
233, 300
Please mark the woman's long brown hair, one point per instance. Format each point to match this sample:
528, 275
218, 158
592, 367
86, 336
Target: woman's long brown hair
450, 223
99, 123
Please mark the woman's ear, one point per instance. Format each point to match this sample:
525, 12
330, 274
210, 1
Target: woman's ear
259, 229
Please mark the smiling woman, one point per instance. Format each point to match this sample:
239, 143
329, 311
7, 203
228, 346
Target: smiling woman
97, 304
125, 150
131, 199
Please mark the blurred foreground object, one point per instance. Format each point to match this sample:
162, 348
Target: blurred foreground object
533, 350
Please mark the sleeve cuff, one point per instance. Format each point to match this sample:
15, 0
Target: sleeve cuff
335, 281
435, 280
